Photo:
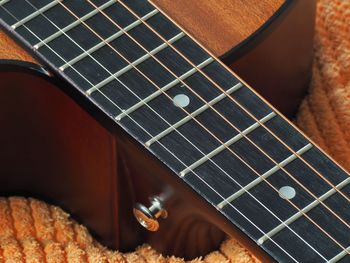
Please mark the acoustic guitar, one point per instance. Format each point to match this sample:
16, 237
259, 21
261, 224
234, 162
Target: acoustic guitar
144, 135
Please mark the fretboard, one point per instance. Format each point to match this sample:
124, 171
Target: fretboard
195, 116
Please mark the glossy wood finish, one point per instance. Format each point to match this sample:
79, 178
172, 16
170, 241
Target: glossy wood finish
269, 34
82, 179
103, 227
59, 154
275, 62
220, 25
69, 160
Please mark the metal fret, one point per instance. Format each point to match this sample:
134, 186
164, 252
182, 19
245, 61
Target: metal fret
264, 176
72, 25
171, 147
340, 255
306, 209
35, 14
108, 40
228, 143
194, 114
134, 64
2, 2
163, 89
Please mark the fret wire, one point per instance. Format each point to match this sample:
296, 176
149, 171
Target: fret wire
170, 45
149, 80
202, 125
162, 89
197, 175
340, 255
111, 73
226, 144
35, 14
237, 210
193, 114
2, 2
197, 95
325, 179
72, 25
108, 40
215, 84
184, 109
133, 64
156, 86
304, 210
264, 176
218, 86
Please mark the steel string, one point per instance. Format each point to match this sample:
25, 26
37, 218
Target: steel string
83, 22
252, 223
120, 28
90, 29
222, 90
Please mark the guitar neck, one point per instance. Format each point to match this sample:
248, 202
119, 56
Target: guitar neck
194, 115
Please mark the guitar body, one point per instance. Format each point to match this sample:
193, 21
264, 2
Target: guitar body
55, 147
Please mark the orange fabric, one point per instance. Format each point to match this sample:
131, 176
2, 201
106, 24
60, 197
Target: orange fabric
32, 231
37, 232
325, 113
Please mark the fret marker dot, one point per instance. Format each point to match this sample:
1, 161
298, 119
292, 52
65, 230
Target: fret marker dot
181, 100
287, 192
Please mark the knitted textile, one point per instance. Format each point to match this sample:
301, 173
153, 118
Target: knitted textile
325, 113
33, 231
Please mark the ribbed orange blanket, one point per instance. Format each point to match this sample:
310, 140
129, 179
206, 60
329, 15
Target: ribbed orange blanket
33, 231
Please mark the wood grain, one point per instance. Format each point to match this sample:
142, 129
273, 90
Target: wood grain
218, 24
10, 50
214, 37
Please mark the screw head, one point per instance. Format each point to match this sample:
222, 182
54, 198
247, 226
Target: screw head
145, 218
148, 217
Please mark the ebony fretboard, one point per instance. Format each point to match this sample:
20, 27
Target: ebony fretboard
226, 143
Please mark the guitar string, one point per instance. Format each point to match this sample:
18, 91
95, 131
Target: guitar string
223, 117
150, 134
220, 88
257, 120
129, 62
336, 215
180, 161
330, 210
235, 128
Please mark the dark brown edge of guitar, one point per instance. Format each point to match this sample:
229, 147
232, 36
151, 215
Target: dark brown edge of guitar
128, 147
256, 37
102, 118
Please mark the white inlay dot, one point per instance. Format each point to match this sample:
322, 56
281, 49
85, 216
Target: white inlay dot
181, 100
287, 192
